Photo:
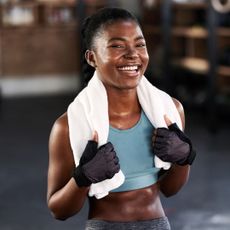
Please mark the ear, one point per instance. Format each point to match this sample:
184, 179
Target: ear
90, 58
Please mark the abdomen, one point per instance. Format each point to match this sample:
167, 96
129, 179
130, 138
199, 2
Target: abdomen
140, 204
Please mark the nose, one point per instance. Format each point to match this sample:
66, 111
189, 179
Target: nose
131, 53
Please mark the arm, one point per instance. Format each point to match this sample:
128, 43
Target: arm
173, 179
64, 197
68, 186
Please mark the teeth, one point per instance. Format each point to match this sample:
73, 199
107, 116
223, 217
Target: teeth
128, 68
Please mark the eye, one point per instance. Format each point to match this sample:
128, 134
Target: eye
118, 46
141, 45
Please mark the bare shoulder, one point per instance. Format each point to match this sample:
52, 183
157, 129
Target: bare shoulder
61, 124
178, 105
59, 143
180, 109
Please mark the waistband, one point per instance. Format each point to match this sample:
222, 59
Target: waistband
161, 223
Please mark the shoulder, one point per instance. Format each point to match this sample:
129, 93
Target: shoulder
60, 126
178, 105
60, 151
59, 143
62, 122
167, 100
180, 110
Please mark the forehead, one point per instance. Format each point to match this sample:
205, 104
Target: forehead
121, 29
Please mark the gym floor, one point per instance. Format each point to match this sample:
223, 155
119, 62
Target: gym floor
25, 123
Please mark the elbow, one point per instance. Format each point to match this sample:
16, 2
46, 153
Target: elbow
63, 206
56, 213
170, 193
59, 213
59, 216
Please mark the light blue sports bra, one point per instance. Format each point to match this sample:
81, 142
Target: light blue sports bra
134, 149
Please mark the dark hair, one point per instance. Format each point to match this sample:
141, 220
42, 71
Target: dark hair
93, 24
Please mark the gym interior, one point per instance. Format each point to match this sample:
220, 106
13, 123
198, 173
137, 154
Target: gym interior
40, 74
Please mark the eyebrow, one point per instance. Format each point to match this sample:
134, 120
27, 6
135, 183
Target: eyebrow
123, 39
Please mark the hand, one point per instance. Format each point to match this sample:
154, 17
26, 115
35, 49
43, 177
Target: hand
90, 150
103, 166
96, 167
172, 145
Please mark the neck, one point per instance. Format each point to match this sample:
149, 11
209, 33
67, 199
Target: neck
123, 102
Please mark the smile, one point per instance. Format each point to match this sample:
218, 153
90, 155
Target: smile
129, 68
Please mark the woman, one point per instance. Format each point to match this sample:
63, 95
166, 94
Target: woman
116, 50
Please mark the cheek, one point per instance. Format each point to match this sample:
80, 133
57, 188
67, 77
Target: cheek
103, 57
145, 58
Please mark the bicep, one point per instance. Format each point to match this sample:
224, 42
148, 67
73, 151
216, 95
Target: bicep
61, 162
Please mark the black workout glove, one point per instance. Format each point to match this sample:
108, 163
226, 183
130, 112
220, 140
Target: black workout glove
89, 152
172, 145
96, 166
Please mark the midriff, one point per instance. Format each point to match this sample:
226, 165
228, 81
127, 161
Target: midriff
140, 204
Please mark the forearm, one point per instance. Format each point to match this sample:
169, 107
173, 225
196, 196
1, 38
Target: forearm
68, 200
174, 179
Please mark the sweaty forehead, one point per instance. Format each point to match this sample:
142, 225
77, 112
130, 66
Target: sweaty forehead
122, 27
119, 28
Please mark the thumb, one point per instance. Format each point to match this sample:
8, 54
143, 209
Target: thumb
95, 136
167, 120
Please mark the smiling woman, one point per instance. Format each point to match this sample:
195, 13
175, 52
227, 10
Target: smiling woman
119, 54
105, 147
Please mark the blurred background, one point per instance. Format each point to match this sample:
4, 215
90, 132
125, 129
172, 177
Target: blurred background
40, 74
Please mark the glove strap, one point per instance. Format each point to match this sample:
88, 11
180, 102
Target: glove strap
191, 157
80, 178
183, 137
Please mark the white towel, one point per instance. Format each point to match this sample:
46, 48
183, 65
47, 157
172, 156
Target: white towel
89, 112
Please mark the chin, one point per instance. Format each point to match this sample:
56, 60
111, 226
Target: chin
130, 85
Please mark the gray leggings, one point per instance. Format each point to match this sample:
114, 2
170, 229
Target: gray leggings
155, 224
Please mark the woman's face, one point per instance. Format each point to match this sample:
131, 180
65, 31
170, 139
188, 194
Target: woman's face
120, 55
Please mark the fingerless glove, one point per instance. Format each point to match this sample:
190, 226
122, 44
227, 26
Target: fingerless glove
96, 167
172, 145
